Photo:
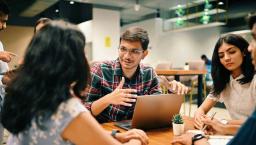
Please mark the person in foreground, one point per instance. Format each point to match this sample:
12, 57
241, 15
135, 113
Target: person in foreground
42, 105
247, 133
116, 84
233, 83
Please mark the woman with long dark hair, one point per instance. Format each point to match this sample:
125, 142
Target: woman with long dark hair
42, 105
233, 84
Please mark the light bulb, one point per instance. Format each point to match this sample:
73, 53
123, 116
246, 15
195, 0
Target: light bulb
136, 7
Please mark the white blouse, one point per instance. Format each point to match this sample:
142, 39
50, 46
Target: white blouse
240, 100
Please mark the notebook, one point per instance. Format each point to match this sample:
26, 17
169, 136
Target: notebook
214, 139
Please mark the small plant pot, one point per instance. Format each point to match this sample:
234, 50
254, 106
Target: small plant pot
178, 129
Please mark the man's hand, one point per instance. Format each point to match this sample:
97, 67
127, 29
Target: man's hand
173, 86
6, 56
132, 134
178, 87
122, 96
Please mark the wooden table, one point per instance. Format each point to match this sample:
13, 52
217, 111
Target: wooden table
178, 73
162, 136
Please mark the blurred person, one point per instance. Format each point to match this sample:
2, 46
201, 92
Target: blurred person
208, 66
5, 56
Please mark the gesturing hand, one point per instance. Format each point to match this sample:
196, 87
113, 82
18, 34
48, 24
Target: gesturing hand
122, 96
6, 56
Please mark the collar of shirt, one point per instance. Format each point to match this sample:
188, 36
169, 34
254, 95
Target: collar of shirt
237, 78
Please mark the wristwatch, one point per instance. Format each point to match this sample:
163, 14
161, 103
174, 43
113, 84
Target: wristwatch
197, 137
114, 132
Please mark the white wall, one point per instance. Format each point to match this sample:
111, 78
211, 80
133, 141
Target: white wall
86, 28
16, 39
106, 23
177, 47
151, 27
180, 47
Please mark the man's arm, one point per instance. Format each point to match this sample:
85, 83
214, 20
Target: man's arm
155, 86
118, 97
99, 103
247, 133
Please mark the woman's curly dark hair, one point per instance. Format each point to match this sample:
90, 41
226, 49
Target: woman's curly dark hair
53, 61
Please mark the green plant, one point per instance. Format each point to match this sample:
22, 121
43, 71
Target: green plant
177, 119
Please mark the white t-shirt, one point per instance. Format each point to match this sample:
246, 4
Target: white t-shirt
3, 68
3, 65
240, 100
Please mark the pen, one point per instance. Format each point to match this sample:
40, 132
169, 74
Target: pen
211, 119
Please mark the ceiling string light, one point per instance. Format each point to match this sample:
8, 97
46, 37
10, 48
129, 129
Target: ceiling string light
205, 19
180, 12
137, 6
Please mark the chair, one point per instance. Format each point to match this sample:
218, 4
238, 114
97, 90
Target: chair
196, 65
164, 66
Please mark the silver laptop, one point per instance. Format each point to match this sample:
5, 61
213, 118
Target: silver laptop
153, 111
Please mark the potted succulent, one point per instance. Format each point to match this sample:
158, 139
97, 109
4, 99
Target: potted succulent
178, 124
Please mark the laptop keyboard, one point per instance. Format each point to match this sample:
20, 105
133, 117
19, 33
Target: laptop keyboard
124, 124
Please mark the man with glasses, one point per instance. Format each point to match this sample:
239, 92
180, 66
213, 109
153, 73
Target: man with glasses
5, 56
116, 84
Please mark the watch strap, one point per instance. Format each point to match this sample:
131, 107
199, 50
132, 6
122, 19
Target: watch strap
114, 132
197, 137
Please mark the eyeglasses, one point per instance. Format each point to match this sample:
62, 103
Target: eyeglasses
135, 51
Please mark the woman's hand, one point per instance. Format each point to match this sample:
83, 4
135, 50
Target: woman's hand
133, 134
199, 115
184, 139
213, 126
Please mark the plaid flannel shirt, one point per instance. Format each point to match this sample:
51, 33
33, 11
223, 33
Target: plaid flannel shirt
106, 76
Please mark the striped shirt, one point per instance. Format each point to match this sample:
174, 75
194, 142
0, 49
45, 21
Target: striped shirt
107, 75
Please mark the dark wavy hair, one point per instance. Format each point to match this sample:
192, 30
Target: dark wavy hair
220, 75
54, 60
136, 34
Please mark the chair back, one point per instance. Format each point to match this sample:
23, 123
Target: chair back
196, 65
164, 66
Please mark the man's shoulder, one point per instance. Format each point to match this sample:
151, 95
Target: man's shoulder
146, 68
103, 65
